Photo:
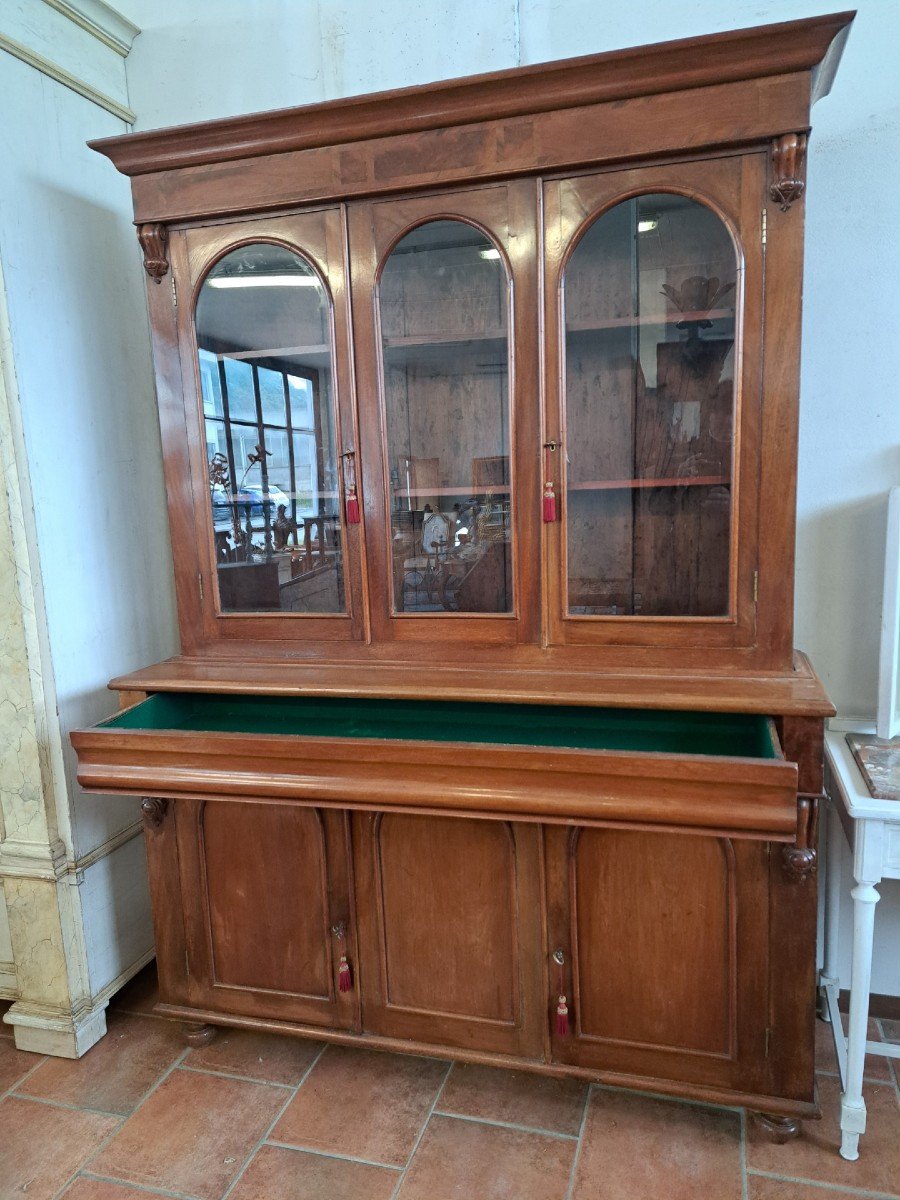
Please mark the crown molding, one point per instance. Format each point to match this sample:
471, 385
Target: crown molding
53, 71
100, 21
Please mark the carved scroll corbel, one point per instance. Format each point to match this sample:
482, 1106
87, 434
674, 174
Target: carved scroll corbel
788, 159
800, 860
154, 809
154, 239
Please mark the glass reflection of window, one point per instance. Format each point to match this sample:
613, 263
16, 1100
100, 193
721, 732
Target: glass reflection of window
263, 324
260, 420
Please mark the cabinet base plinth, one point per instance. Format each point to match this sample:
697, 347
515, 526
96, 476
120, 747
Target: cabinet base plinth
778, 1129
197, 1034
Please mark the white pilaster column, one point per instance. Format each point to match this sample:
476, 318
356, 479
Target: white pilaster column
51, 1012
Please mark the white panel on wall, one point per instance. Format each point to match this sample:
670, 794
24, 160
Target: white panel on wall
119, 933
43, 33
78, 319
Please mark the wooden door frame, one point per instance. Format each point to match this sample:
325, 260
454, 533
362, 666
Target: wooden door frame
507, 212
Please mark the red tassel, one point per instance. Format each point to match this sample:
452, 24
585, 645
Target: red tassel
352, 508
345, 979
549, 503
562, 1018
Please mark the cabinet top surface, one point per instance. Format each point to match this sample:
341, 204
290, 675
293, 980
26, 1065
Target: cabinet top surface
813, 45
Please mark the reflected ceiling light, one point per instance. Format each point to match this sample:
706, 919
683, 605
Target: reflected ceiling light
490, 254
239, 281
646, 226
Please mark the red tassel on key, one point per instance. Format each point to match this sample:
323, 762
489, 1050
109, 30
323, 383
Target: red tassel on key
352, 508
549, 503
345, 978
562, 1017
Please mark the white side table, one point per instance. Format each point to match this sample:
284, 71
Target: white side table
872, 827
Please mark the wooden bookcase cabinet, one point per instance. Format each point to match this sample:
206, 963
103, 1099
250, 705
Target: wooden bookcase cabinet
487, 391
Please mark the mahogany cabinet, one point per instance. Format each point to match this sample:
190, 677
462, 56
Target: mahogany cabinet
479, 408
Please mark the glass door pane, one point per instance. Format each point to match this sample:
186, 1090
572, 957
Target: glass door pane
650, 296
263, 325
443, 301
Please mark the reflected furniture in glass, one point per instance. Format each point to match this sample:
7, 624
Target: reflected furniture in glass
487, 737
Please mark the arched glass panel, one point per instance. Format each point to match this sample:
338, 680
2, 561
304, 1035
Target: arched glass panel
444, 301
263, 325
649, 300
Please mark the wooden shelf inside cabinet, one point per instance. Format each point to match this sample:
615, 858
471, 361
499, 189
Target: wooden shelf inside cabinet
278, 352
461, 489
603, 485
676, 318
444, 339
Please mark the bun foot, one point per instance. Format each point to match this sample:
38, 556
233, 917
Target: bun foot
777, 1129
197, 1035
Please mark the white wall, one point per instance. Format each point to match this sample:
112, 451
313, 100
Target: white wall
202, 60
78, 326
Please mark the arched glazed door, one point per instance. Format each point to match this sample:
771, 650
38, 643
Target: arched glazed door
444, 310
264, 348
653, 286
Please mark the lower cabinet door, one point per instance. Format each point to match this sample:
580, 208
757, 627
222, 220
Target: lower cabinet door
267, 907
450, 931
663, 939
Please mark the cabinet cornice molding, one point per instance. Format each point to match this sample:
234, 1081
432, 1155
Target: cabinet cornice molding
792, 47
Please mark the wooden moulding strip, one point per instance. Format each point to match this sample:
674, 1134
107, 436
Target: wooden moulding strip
744, 113
755, 1101
741, 796
559, 682
743, 54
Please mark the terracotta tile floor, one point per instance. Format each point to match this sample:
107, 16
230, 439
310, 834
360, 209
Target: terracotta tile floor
259, 1117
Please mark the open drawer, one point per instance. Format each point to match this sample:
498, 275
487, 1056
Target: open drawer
709, 771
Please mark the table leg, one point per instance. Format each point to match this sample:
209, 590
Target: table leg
834, 839
853, 1107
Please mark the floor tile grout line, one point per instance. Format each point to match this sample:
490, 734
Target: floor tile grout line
146, 1188
100, 1112
271, 1126
551, 1133
242, 1078
745, 1183
304, 1149
412, 1154
85, 1166
573, 1170
863, 1193
10, 1092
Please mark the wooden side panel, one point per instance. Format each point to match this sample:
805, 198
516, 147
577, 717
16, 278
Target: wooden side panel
267, 896
266, 892
665, 944
165, 896
449, 926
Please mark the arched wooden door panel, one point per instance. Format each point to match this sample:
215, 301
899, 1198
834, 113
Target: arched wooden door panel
665, 954
449, 930
270, 883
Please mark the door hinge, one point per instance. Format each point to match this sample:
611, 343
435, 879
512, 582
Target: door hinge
755, 587
200, 585
763, 232
174, 292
